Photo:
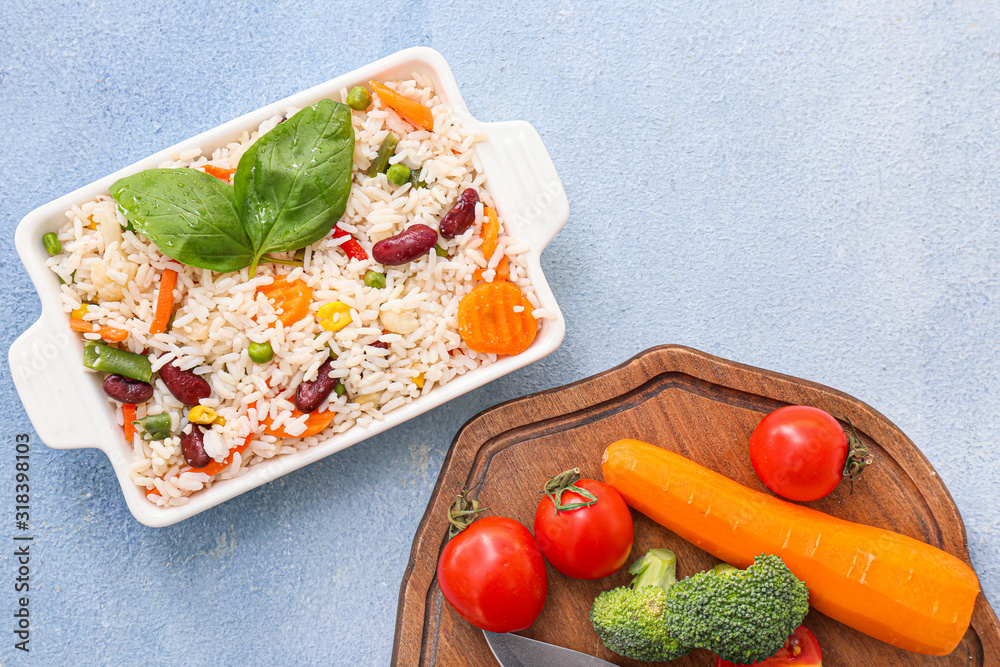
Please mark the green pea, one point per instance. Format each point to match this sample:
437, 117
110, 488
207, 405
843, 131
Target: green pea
54, 247
339, 388
375, 279
260, 353
441, 252
359, 98
398, 174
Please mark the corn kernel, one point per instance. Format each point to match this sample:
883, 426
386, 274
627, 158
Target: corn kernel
419, 381
334, 316
91, 223
200, 414
79, 312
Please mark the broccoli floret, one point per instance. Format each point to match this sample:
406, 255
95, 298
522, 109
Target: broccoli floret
629, 620
744, 616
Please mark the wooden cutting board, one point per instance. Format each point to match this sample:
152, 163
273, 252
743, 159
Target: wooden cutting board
702, 407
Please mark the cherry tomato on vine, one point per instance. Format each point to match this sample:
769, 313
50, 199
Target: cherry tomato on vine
802, 453
583, 526
492, 573
800, 650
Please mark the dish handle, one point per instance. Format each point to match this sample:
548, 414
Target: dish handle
523, 177
64, 417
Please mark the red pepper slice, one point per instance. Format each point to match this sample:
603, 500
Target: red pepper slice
219, 172
351, 247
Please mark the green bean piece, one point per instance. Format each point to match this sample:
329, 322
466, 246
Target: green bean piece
441, 252
155, 427
375, 279
359, 98
260, 353
339, 388
104, 358
398, 174
415, 179
385, 151
52, 244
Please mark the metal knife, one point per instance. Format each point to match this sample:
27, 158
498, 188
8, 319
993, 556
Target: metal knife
517, 651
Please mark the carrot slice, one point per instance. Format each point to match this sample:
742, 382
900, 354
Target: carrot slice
487, 321
292, 298
219, 172
110, 334
315, 423
164, 302
490, 235
214, 467
889, 586
128, 412
414, 113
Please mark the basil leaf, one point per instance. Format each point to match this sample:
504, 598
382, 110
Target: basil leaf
292, 185
189, 215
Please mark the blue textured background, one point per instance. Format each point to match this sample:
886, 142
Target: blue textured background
810, 188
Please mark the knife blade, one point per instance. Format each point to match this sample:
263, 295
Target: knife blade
517, 651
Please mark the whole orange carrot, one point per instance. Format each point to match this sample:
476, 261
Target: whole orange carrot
889, 586
164, 302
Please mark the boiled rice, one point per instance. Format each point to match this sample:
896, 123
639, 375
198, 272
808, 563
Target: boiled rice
220, 314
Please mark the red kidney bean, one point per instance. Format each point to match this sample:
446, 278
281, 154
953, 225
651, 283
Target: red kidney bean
406, 246
127, 390
186, 387
310, 395
461, 216
193, 447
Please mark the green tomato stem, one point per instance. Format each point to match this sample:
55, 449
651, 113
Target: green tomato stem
563, 482
462, 513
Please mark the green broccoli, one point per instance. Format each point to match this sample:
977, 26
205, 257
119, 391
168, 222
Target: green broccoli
630, 619
744, 616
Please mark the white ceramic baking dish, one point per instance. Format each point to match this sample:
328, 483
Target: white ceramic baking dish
67, 406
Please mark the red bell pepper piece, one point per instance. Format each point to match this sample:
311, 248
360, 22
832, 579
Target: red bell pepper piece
351, 247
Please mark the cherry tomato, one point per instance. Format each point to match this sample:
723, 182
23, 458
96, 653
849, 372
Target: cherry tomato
590, 541
799, 452
800, 650
493, 575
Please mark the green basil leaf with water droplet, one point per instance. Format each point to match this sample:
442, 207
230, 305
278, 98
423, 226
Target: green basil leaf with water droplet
292, 185
189, 215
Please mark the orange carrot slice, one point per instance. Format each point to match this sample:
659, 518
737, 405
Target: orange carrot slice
219, 172
292, 298
110, 334
214, 467
315, 423
128, 412
414, 113
164, 302
487, 321
490, 235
